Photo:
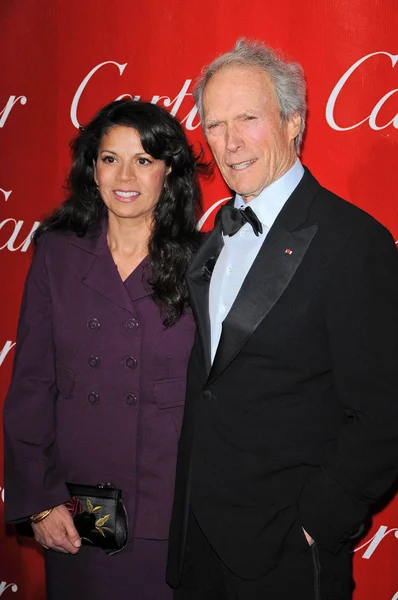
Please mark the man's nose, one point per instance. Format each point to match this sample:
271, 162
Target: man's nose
233, 139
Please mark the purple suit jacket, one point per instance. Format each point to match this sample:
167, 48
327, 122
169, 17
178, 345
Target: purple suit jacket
98, 385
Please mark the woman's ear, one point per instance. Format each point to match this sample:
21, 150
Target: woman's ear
168, 171
95, 172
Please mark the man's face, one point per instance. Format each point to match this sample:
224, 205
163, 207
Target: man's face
242, 124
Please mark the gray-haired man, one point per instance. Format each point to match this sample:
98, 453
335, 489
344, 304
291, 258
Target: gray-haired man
290, 430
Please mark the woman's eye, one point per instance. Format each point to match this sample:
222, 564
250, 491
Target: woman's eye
108, 159
144, 161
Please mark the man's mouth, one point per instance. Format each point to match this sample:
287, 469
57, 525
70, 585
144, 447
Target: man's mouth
242, 165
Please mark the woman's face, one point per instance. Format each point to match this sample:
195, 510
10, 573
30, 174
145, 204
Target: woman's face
129, 179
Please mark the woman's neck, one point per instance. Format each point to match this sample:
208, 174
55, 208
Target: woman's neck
128, 242
128, 236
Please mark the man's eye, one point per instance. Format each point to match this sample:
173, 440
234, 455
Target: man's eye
212, 126
250, 118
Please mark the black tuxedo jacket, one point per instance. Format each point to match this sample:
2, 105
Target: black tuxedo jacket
296, 422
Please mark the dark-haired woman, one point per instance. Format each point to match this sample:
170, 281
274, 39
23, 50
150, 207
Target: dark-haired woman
103, 342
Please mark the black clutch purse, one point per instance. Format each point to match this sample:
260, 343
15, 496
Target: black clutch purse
99, 515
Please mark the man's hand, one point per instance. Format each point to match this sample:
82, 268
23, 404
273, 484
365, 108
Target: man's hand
308, 537
57, 531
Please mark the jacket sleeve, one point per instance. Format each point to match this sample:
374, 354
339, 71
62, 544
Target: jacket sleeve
362, 322
33, 481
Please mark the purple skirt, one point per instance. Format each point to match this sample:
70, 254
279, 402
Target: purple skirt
136, 573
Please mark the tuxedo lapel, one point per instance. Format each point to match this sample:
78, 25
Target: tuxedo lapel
266, 281
198, 281
98, 270
277, 261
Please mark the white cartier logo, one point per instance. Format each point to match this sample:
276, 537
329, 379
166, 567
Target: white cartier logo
372, 118
6, 193
374, 542
11, 102
190, 120
4, 586
8, 346
209, 211
14, 235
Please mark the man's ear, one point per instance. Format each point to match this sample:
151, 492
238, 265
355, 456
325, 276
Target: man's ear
294, 126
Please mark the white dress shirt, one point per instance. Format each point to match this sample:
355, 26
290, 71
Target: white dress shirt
240, 250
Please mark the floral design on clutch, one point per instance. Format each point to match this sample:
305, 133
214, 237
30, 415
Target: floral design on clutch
74, 506
88, 518
99, 523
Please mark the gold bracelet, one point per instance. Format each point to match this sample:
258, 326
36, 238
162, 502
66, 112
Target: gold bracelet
40, 516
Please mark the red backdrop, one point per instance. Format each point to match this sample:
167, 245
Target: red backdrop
61, 61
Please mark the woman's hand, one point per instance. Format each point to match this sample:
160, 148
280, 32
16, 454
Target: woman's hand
57, 531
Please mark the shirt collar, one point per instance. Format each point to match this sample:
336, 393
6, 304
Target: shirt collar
270, 201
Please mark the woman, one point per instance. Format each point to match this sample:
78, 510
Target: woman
103, 342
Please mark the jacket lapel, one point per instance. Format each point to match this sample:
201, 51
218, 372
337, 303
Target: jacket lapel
277, 261
98, 270
198, 282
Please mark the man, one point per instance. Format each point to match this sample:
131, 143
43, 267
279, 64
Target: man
290, 430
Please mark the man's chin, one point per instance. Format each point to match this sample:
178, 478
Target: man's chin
247, 194
246, 189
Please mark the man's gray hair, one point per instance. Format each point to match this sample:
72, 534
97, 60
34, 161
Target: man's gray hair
287, 78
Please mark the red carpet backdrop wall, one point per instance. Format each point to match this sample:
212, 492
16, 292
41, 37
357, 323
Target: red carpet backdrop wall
61, 61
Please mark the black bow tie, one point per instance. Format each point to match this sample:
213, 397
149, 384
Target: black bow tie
232, 219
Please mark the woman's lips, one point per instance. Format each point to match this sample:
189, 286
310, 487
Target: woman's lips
126, 196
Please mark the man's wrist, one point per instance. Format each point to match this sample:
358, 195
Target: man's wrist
308, 537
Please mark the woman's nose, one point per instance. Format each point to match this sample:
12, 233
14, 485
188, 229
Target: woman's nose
126, 173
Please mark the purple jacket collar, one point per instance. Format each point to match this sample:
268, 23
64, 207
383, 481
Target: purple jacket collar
100, 273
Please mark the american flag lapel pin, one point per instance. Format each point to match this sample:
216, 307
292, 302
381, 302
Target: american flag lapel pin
288, 251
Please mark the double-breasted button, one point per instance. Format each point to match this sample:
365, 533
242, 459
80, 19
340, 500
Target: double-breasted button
207, 395
93, 324
93, 398
94, 362
131, 362
132, 324
131, 399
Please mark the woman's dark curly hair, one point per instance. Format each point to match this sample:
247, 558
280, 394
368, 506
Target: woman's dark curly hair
174, 236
